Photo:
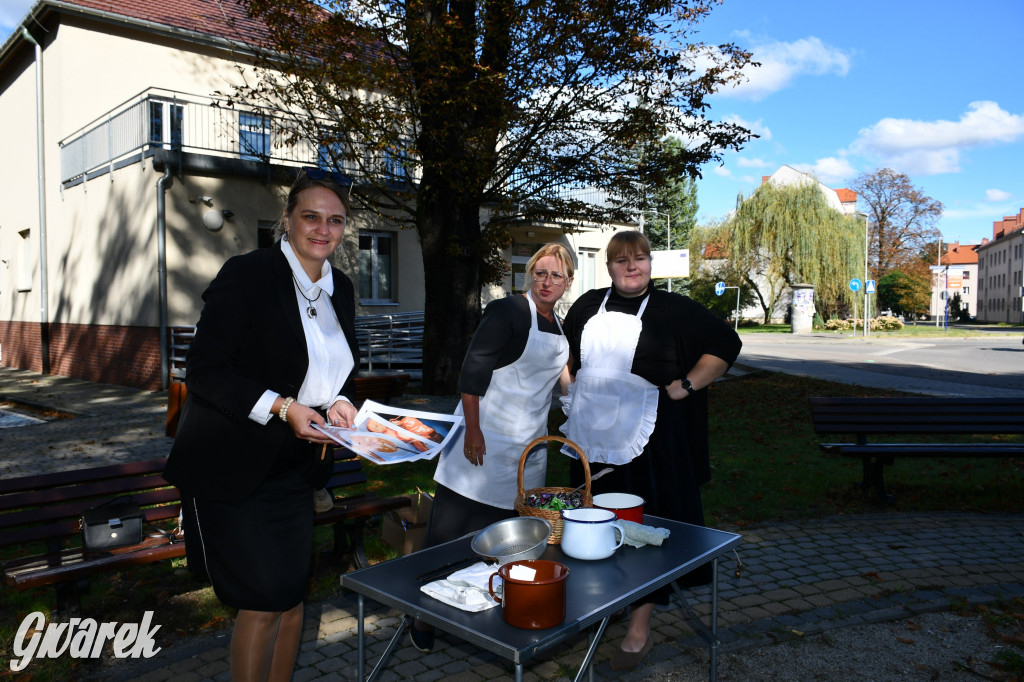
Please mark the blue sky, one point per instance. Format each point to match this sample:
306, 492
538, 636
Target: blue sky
931, 89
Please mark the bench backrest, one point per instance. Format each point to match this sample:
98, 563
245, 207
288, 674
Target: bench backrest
49, 506
918, 415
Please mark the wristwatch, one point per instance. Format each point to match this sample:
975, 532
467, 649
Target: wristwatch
688, 386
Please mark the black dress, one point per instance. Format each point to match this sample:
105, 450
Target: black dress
676, 332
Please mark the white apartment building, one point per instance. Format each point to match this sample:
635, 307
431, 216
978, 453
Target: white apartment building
1001, 272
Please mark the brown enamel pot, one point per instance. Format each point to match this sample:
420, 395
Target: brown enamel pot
532, 604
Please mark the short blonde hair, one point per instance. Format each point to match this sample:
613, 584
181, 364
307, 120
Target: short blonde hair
627, 243
550, 249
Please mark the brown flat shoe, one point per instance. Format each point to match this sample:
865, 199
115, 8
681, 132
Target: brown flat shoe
628, 660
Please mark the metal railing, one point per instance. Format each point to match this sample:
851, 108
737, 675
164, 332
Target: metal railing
390, 342
189, 123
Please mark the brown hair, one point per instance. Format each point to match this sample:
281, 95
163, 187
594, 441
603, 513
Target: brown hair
628, 243
550, 249
308, 178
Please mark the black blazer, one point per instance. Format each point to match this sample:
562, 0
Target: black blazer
249, 339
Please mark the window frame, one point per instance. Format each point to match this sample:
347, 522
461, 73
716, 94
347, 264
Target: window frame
374, 275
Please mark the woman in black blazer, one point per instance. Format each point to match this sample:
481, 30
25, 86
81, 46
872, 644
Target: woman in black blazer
274, 350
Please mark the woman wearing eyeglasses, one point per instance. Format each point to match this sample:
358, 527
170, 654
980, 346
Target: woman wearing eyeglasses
517, 354
274, 350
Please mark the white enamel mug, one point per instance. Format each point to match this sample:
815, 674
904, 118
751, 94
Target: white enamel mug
589, 533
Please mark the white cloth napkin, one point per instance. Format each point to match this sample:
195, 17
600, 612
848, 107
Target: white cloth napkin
638, 534
466, 589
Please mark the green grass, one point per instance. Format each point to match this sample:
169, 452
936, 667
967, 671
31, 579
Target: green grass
766, 467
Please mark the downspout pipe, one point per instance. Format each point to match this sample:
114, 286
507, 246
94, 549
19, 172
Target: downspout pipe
162, 185
44, 309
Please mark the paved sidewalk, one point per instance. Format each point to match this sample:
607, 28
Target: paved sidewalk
786, 581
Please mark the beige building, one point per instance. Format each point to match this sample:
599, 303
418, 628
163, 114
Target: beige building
121, 198
957, 273
1001, 272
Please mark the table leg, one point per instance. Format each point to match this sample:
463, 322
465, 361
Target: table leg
708, 634
359, 647
384, 657
591, 650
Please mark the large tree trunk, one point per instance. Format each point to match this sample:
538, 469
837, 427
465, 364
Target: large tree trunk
449, 239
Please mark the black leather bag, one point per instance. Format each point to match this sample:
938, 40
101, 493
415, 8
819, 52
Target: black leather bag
111, 525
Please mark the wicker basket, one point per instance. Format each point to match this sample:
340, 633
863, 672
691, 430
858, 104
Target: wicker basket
553, 516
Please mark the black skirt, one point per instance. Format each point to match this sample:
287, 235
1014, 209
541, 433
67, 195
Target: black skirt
256, 552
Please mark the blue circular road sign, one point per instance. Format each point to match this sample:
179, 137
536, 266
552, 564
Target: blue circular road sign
854, 284
719, 288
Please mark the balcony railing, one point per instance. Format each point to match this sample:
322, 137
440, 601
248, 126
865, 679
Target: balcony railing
187, 123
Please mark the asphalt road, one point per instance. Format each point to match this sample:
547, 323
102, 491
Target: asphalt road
984, 366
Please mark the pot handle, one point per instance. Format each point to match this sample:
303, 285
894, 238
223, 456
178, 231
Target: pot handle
490, 587
622, 533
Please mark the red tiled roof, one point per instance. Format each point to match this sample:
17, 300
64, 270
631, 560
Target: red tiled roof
846, 196
960, 254
220, 18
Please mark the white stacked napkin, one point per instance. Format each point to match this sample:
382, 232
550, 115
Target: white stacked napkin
466, 589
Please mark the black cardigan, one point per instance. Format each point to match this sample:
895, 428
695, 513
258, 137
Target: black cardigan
249, 339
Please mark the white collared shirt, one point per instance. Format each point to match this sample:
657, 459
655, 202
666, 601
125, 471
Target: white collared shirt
330, 357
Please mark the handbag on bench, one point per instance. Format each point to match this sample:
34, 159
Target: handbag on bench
112, 524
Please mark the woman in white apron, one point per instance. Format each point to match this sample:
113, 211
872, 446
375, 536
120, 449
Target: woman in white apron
516, 356
641, 359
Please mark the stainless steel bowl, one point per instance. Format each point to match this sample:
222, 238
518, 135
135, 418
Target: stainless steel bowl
517, 539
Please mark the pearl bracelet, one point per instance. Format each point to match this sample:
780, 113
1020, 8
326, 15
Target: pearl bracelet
283, 413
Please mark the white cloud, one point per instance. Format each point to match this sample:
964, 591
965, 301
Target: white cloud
782, 63
757, 127
722, 171
744, 162
933, 147
829, 170
997, 195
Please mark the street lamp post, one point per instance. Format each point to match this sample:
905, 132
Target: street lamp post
867, 230
668, 235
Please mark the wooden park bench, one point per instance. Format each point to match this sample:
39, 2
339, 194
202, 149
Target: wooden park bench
917, 416
42, 514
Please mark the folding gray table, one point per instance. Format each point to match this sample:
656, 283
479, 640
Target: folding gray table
594, 591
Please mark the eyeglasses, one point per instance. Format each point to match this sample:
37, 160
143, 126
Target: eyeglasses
556, 277
333, 176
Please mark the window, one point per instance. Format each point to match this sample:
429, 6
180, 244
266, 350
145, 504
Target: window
376, 267
393, 167
586, 271
967, 274
265, 234
330, 156
966, 290
253, 136
165, 123
23, 276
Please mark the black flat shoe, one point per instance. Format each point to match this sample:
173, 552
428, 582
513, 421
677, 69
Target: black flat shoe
422, 639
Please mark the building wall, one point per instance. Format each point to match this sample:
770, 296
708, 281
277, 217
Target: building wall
1000, 273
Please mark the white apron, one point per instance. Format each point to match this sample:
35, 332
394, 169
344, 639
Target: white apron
513, 412
611, 411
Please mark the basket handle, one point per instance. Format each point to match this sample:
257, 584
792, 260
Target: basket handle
566, 441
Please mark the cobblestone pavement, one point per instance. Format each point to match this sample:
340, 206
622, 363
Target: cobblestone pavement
784, 582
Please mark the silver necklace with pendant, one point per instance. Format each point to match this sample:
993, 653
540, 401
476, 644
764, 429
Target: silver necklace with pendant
310, 309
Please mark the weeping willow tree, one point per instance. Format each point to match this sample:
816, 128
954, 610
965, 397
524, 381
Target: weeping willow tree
788, 234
